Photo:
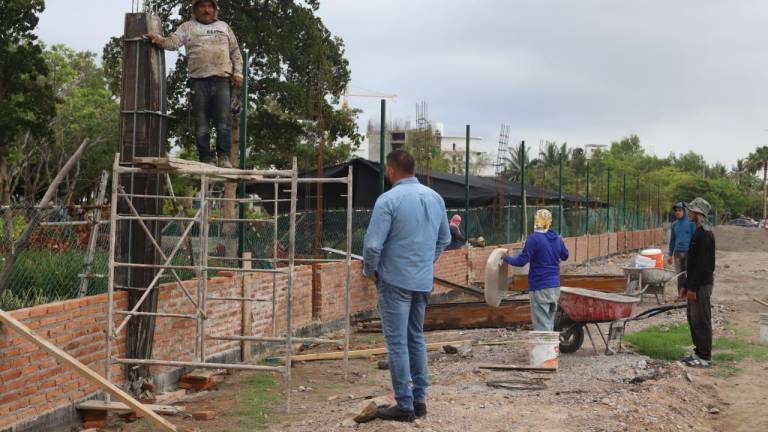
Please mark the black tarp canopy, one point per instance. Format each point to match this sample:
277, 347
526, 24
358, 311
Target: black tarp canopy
483, 191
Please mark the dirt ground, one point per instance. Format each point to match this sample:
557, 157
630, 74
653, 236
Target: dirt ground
591, 391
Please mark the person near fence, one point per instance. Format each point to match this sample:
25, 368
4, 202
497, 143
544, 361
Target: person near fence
457, 237
681, 232
407, 233
544, 249
699, 284
215, 66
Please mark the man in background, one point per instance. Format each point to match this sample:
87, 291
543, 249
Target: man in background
407, 233
215, 66
681, 232
699, 283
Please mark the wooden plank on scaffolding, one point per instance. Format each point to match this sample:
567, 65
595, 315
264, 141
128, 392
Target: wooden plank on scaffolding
183, 166
247, 312
364, 353
85, 372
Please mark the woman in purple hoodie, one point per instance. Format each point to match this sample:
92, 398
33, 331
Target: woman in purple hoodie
544, 249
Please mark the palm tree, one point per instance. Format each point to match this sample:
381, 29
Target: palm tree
514, 161
755, 161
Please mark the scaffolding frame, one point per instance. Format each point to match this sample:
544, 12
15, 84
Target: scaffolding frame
207, 176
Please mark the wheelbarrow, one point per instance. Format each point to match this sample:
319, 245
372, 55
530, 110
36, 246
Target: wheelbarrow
580, 307
650, 280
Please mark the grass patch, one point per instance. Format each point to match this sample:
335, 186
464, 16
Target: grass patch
661, 344
258, 397
733, 350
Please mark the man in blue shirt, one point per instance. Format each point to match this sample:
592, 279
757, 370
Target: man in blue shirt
407, 233
681, 233
544, 249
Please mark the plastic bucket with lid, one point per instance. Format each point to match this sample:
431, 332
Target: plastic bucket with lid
544, 348
654, 254
764, 329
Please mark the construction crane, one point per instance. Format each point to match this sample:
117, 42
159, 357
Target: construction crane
365, 93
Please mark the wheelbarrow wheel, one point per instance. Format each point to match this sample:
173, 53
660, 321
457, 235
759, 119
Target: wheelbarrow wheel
571, 339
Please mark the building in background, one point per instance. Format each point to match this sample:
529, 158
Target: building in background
451, 147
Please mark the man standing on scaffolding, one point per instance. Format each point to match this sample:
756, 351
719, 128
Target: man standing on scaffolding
215, 65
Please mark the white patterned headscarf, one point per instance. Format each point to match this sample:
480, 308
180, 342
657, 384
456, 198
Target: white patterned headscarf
542, 221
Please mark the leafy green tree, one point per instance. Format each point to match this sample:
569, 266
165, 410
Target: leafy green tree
756, 161
297, 73
28, 103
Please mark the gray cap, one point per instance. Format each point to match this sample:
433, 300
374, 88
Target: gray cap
699, 205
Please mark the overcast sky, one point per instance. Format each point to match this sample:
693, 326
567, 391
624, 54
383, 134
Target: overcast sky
683, 75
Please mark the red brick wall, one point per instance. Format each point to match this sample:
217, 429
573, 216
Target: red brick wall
31, 382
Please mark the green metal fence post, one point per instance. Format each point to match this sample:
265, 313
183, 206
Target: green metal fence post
586, 224
608, 199
624, 204
637, 204
560, 194
382, 134
466, 187
523, 208
243, 139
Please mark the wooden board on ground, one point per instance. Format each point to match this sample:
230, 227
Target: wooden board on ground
494, 366
450, 316
364, 353
85, 372
121, 408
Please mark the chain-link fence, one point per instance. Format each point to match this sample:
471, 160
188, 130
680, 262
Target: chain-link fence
52, 265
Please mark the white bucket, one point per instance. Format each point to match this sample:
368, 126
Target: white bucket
543, 348
764, 329
644, 262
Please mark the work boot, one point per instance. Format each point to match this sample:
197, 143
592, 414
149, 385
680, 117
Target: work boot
224, 162
420, 409
394, 413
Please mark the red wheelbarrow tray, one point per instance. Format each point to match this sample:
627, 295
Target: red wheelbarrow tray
586, 306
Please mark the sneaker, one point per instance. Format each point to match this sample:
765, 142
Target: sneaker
224, 162
689, 358
420, 409
394, 413
699, 363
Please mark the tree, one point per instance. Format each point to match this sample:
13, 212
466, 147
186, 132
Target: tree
517, 158
85, 110
297, 71
759, 160
28, 102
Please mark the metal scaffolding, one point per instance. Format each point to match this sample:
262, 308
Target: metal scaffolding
208, 176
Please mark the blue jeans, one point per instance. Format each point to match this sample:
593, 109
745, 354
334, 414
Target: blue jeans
402, 319
543, 308
211, 104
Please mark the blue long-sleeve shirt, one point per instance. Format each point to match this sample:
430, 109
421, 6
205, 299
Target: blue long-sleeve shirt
544, 251
681, 233
407, 233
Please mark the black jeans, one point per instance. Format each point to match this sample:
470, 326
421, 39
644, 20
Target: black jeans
211, 104
700, 321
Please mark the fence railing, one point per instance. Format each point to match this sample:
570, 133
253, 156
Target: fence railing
51, 267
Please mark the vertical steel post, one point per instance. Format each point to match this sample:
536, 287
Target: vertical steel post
348, 282
243, 139
111, 269
289, 291
586, 224
523, 206
637, 204
382, 135
466, 186
276, 220
608, 199
658, 206
624, 204
560, 195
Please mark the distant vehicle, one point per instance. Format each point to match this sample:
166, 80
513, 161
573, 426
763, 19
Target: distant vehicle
742, 222
763, 224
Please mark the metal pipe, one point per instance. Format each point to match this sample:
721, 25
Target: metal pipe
466, 185
381, 144
196, 268
560, 194
199, 365
155, 314
348, 282
289, 294
203, 279
274, 262
111, 274
586, 231
524, 204
276, 339
608, 216
240, 299
243, 140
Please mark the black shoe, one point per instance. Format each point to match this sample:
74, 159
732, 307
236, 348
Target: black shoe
394, 413
420, 409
